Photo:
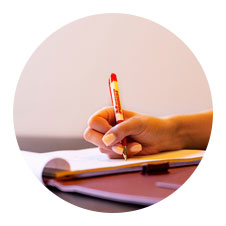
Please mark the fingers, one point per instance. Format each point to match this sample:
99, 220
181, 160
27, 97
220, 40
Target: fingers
132, 126
101, 123
114, 151
110, 154
104, 119
94, 137
133, 148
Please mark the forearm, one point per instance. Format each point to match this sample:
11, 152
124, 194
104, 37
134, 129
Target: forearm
193, 130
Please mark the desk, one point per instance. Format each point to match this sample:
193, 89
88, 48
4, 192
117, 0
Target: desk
125, 184
176, 175
95, 204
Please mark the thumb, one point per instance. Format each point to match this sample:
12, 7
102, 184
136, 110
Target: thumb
132, 126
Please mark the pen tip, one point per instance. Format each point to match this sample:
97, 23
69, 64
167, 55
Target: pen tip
124, 152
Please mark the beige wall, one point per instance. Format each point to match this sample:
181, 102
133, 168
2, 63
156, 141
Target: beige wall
66, 79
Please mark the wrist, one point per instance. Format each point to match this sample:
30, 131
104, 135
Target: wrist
177, 133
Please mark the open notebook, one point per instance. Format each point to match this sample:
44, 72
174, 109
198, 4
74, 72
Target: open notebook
89, 161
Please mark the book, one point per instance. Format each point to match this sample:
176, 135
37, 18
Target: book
90, 162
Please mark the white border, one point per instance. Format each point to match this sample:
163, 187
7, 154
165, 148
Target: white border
25, 24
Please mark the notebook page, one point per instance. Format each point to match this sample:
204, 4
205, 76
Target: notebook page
88, 159
91, 158
38, 161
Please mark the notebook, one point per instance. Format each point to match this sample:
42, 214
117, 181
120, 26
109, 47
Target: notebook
90, 162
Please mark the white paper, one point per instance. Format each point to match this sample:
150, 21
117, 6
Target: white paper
92, 158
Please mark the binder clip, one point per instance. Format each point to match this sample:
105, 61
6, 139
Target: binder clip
154, 168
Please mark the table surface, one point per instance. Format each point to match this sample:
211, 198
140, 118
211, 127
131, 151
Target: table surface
126, 184
46, 144
95, 204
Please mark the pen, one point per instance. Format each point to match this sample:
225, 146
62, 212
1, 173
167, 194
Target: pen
115, 98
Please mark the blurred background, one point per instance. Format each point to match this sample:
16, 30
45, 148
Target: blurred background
66, 79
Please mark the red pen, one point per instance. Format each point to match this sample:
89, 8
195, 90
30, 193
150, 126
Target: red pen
115, 98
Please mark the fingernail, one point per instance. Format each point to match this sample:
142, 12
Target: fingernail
117, 149
136, 148
109, 139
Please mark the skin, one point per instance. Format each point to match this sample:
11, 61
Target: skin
146, 134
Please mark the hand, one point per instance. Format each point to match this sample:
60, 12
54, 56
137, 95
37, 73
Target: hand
145, 134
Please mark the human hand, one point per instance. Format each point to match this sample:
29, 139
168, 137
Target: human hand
145, 134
